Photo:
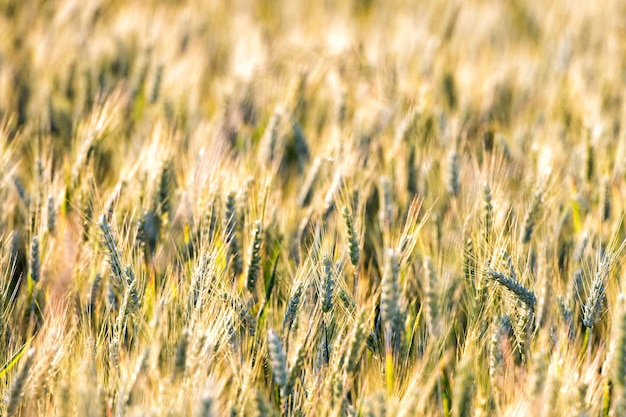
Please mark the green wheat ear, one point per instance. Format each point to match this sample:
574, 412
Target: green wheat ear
357, 344
392, 317
292, 307
52, 214
351, 235
488, 212
531, 217
35, 267
254, 261
329, 285
524, 295
278, 361
230, 233
115, 261
596, 300
496, 356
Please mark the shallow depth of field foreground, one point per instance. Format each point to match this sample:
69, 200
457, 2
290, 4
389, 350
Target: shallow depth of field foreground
312, 208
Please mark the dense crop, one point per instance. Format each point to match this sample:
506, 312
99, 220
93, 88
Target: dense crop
311, 208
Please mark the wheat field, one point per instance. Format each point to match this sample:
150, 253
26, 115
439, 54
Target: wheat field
312, 208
